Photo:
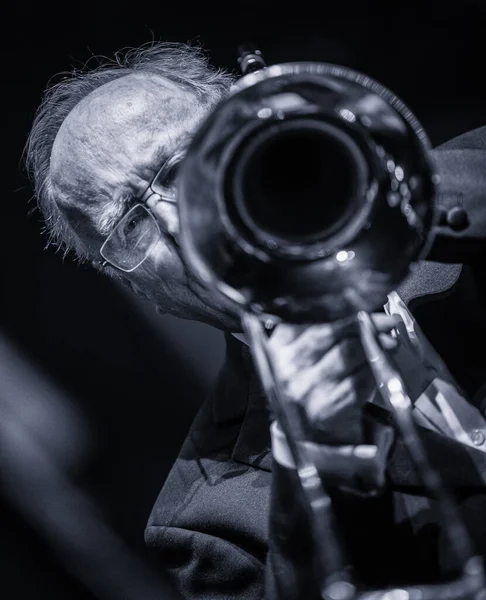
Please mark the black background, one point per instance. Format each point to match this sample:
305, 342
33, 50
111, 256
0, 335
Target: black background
139, 378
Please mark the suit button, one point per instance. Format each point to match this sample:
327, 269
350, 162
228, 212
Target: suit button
457, 218
477, 437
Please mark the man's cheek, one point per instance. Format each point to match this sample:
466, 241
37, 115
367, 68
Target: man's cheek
167, 262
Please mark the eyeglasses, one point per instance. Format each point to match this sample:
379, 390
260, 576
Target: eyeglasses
136, 233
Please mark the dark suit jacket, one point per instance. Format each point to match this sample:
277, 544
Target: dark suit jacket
228, 522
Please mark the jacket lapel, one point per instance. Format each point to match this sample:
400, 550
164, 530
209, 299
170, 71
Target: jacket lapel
429, 281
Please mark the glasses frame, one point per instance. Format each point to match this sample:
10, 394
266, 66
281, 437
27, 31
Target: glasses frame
142, 201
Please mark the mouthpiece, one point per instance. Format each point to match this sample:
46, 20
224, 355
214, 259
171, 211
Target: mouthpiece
250, 59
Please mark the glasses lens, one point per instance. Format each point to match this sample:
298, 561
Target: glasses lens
129, 244
164, 183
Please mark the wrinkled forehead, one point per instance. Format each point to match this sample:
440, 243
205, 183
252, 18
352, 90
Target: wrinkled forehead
131, 103
117, 132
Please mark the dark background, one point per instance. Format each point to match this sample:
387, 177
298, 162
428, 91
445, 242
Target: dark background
72, 338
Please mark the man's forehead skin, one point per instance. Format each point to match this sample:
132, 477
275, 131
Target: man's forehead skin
111, 143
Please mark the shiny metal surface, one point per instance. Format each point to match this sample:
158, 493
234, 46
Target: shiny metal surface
365, 208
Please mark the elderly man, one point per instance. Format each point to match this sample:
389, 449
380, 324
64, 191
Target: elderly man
103, 154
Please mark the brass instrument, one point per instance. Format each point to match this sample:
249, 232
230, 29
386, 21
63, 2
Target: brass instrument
307, 196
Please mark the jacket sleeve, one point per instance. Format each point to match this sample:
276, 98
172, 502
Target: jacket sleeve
206, 566
208, 527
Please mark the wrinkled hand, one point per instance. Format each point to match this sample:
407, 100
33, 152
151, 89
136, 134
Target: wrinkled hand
323, 371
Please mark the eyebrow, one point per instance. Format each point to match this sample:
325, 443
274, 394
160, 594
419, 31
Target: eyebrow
168, 164
107, 224
109, 219
110, 215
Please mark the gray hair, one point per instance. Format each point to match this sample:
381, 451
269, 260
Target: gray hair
184, 64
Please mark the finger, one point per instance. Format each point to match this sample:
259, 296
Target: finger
285, 333
335, 414
340, 362
292, 354
305, 345
385, 323
306, 351
388, 341
333, 367
360, 468
309, 364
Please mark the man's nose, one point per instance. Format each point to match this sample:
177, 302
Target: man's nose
168, 217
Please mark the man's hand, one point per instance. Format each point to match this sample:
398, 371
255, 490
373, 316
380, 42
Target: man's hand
323, 370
